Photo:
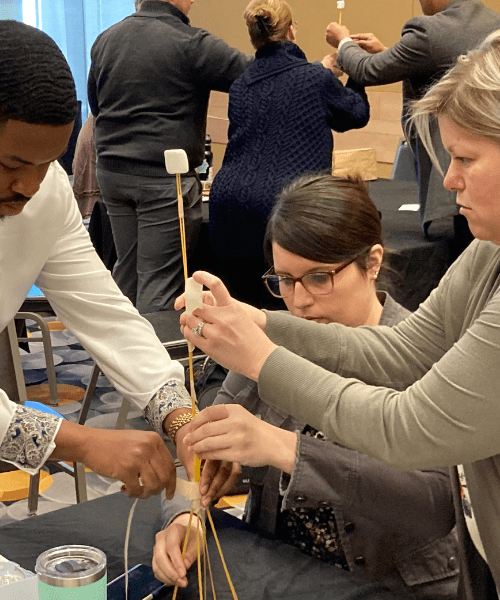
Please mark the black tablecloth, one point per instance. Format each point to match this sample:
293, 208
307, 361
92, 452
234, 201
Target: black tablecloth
260, 568
418, 262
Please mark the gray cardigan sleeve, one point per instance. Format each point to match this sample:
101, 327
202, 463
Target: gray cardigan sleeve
442, 408
417, 501
410, 56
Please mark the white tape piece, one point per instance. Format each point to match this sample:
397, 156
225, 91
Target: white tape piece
191, 491
188, 489
193, 295
340, 4
176, 161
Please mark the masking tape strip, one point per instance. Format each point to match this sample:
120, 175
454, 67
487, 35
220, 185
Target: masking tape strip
188, 489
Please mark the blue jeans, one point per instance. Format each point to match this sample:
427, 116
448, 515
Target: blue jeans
145, 224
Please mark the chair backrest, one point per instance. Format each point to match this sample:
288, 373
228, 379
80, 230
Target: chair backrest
403, 168
167, 328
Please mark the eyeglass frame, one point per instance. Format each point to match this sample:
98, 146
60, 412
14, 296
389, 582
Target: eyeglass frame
267, 275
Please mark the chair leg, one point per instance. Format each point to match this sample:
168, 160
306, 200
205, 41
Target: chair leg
49, 361
16, 362
33, 494
49, 357
122, 415
80, 482
89, 395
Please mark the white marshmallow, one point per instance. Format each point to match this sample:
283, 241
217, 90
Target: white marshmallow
176, 161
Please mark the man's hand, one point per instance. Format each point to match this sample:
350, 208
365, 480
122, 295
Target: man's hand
229, 432
133, 457
368, 42
335, 33
229, 335
168, 564
217, 479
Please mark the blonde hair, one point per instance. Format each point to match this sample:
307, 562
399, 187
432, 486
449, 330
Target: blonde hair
268, 21
468, 95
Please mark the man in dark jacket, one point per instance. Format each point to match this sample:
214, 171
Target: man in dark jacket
149, 87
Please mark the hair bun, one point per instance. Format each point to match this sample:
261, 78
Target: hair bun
267, 21
263, 14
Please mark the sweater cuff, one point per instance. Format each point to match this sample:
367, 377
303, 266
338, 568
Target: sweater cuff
342, 42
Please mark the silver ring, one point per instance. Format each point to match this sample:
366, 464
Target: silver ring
198, 330
141, 483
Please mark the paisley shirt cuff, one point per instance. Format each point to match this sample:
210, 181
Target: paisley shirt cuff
169, 397
29, 440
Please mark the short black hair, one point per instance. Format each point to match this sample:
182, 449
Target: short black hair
36, 84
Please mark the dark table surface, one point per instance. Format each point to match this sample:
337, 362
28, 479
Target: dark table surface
260, 568
417, 261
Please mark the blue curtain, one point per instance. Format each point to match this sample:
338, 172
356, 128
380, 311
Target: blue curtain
74, 25
11, 9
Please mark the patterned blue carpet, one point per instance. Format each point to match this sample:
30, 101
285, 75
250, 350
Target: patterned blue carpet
73, 368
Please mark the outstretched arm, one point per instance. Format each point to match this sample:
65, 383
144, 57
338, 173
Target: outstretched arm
416, 412
370, 63
29, 437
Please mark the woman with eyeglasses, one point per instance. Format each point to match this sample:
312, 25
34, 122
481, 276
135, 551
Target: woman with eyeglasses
325, 244
282, 111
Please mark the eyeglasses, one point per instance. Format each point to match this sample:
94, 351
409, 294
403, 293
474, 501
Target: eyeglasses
318, 284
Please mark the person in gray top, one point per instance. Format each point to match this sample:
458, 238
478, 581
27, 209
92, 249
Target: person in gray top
425, 392
324, 240
429, 46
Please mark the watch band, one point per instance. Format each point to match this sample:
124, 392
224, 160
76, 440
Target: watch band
177, 423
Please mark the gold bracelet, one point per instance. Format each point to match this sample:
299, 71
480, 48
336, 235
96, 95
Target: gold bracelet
177, 423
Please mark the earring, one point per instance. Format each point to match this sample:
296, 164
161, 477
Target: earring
376, 275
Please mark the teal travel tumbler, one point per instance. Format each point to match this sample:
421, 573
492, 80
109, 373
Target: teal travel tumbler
72, 573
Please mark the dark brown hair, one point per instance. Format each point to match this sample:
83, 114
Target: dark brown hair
326, 219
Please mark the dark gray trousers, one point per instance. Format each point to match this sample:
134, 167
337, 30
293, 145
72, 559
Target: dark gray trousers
145, 224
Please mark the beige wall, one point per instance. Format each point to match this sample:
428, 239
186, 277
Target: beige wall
384, 18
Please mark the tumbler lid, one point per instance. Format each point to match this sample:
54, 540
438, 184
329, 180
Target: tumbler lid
71, 566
